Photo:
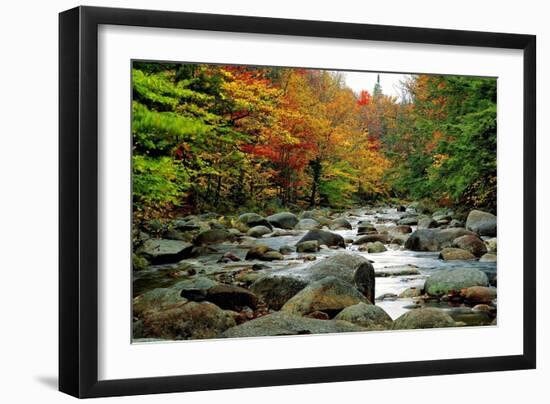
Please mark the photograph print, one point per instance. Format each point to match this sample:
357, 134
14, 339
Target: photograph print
275, 201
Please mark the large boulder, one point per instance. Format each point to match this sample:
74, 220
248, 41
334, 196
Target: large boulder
482, 223
275, 290
281, 323
447, 281
307, 224
434, 239
329, 295
190, 320
195, 289
472, 244
324, 237
213, 236
366, 315
161, 251
340, 224
156, 299
283, 220
451, 254
423, 318
351, 268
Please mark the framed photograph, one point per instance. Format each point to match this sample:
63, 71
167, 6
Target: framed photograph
251, 201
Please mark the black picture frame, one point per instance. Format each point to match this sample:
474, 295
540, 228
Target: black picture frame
78, 201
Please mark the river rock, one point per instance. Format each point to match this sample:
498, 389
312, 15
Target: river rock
397, 270
479, 294
409, 220
376, 247
258, 231
161, 251
281, 323
423, 318
283, 220
253, 219
472, 244
194, 289
286, 249
307, 224
411, 292
400, 229
213, 236
256, 252
446, 281
275, 290
351, 268
186, 225
307, 246
191, 320
365, 227
489, 257
272, 255
366, 315
456, 223
231, 297
340, 224
324, 237
426, 222
450, 254
156, 299
491, 245
329, 295
434, 239
371, 238
482, 223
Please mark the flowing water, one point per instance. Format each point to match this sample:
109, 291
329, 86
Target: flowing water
294, 265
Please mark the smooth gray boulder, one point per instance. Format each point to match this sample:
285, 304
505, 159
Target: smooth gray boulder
329, 295
340, 224
482, 223
281, 323
366, 315
351, 268
423, 318
161, 251
446, 281
283, 220
434, 239
324, 237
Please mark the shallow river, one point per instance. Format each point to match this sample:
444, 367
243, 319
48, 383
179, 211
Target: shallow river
426, 262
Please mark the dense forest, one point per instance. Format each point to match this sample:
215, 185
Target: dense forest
235, 138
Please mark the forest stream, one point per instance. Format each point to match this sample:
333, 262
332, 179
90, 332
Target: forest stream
398, 270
